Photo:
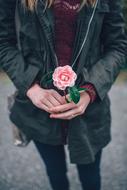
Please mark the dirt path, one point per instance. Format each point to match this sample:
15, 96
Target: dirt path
22, 169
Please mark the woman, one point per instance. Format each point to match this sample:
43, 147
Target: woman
87, 35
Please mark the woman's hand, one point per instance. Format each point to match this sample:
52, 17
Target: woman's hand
71, 110
45, 99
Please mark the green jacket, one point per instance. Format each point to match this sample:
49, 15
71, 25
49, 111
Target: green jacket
100, 45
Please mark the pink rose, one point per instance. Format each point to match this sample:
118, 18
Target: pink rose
64, 77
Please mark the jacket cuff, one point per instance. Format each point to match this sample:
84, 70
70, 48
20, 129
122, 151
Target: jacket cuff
90, 89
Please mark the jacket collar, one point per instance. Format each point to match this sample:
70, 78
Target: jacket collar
46, 19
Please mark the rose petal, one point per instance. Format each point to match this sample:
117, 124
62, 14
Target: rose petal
58, 77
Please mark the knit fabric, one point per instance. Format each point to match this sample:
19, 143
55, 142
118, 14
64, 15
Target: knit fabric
65, 12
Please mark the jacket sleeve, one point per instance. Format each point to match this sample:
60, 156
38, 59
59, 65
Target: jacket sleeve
11, 60
104, 72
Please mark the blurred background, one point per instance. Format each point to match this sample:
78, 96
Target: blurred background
22, 168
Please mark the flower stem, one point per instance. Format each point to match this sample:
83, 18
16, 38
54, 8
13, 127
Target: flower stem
66, 97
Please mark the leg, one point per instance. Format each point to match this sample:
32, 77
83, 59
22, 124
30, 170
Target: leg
55, 162
89, 174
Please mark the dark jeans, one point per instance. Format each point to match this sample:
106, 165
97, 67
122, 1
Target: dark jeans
55, 162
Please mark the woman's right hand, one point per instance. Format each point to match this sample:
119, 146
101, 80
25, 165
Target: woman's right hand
44, 98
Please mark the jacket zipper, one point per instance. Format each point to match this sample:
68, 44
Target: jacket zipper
86, 36
78, 54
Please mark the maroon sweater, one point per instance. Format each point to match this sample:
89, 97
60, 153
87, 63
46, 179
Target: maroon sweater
65, 28
65, 13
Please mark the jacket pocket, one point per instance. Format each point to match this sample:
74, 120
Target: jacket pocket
25, 105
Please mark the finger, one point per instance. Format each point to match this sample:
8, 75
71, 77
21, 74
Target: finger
47, 103
43, 106
58, 97
53, 101
71, 117
64, 107
65, 115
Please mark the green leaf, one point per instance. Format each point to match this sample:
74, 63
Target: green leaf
74, 94
47, 78
49, 81
46, 83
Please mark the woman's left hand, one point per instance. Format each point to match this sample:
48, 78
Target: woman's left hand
70, 110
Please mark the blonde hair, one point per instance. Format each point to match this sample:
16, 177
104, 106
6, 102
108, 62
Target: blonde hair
30, 4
